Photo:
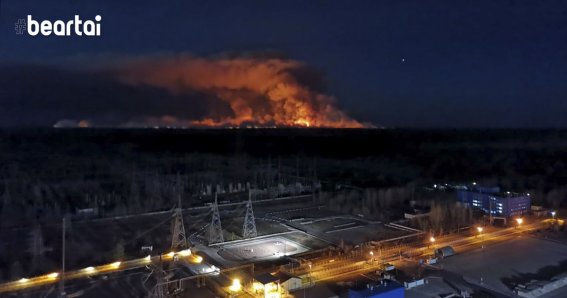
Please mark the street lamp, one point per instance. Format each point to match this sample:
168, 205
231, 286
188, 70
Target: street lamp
480, 229
90, 269
519, 221
553, 215
53, 275
235, 286
432, 240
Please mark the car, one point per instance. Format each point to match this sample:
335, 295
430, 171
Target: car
389, 267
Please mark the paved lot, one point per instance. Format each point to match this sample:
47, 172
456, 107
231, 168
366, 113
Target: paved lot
433, 288
496, 265
261, 249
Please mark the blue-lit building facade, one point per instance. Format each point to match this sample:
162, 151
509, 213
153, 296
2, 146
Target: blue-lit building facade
492, 200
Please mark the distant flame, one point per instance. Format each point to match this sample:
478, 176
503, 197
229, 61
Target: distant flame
302, 122
259, 91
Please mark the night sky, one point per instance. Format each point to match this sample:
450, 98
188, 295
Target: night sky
390, 63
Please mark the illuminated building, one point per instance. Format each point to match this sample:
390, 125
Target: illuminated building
494, 202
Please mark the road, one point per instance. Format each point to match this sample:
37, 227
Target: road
32, 282
340, 268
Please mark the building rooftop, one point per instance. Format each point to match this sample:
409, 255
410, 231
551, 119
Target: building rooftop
498, 194
265, 278
284, 276
373, 289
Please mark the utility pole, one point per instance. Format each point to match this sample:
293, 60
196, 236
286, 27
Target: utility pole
159, 290
490, 209
62, 280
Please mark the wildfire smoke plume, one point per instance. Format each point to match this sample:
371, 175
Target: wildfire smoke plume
258, 91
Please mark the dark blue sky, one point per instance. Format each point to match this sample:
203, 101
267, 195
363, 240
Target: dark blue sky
467, 63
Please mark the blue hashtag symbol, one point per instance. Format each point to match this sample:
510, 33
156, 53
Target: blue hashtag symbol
20, 26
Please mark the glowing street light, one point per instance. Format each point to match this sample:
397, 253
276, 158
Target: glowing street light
519, 220
23, 280
235, 286
432, 241
198, 259
171, 254
148, 258
89, 269
115, 265
185, 253
553, 214
480, 229
53, 275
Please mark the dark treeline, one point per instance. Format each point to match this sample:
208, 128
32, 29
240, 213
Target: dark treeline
45, 173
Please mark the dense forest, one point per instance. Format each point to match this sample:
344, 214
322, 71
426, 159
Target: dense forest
45, 173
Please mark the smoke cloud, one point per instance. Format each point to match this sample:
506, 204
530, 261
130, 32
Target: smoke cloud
259, 91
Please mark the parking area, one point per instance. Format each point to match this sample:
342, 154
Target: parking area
502, 266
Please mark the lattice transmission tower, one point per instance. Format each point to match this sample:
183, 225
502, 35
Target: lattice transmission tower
178, 238
215, 229
249, 229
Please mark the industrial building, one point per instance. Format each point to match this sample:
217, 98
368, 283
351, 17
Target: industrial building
276, 285
495, 202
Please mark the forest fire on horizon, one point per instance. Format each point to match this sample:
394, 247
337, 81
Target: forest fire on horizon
252, 92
